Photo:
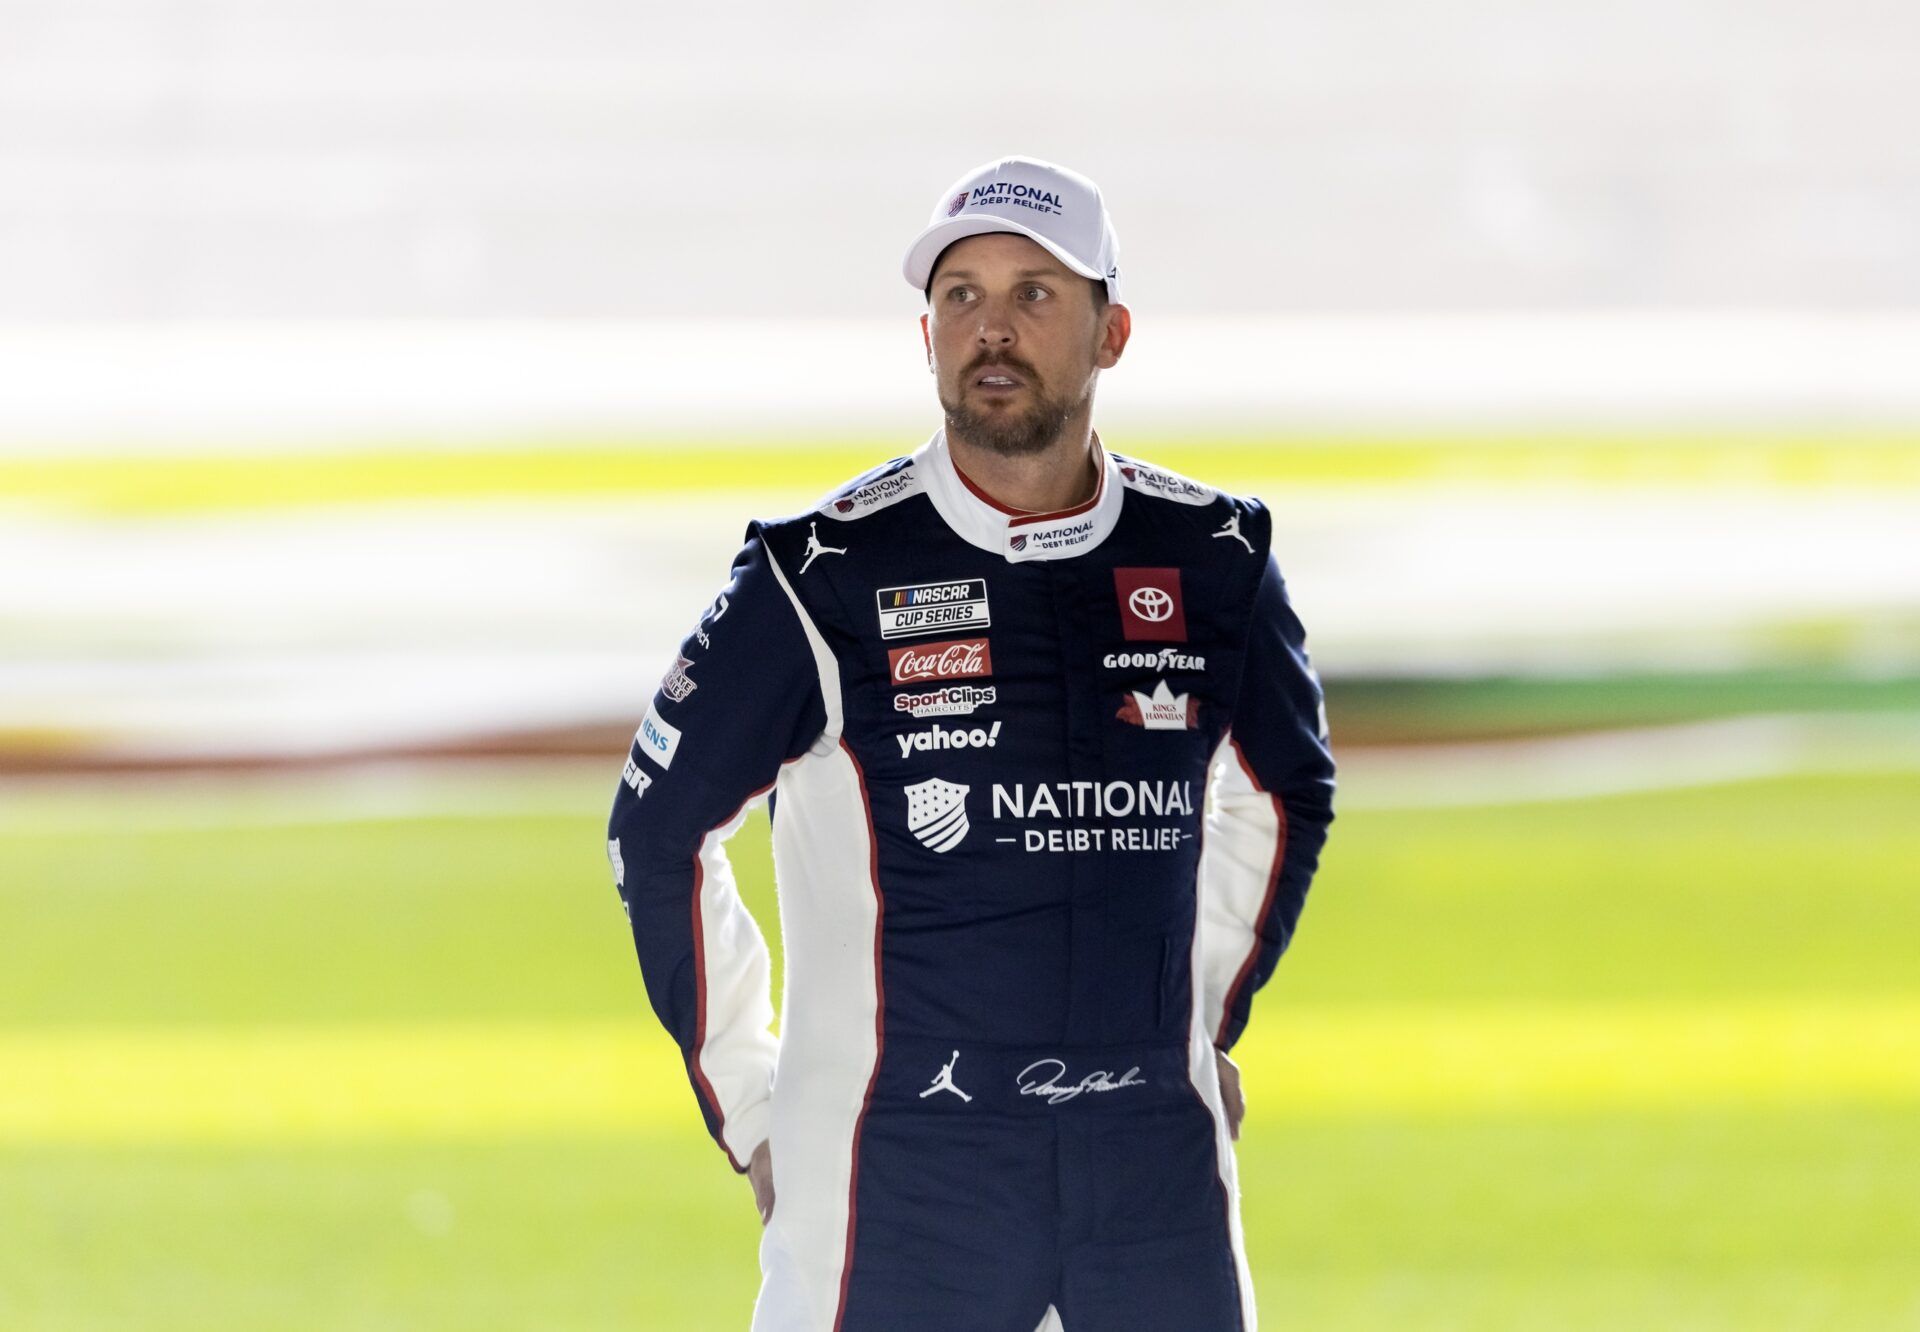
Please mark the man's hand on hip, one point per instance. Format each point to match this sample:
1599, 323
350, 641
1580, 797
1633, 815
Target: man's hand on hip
760, 1175
1230, 1096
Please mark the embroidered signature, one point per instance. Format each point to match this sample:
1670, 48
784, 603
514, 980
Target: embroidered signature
1041, 1078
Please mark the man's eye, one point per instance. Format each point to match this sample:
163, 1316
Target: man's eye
1041, 290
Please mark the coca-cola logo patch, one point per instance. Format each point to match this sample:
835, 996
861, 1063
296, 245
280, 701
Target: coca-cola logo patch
953, 659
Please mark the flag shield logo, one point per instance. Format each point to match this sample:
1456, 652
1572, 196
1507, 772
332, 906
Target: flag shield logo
937, 813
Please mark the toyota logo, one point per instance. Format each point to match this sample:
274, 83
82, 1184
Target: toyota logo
1151, 604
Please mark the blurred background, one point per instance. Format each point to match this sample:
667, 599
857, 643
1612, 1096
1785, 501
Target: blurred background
384, 389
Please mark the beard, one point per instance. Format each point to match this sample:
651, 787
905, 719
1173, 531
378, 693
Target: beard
1003, 430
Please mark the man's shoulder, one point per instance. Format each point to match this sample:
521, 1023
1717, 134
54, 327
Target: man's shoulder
1149, 478
820, 531
1182, 500
875, 489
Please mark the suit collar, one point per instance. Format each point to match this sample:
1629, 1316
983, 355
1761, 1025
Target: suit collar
1017, 537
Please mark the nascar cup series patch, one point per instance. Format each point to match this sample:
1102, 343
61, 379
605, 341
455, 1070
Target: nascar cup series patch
937, 813
932, 608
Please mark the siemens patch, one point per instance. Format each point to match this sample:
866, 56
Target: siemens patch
657, 739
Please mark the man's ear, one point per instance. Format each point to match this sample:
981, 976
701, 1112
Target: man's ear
926, 336
1113, 340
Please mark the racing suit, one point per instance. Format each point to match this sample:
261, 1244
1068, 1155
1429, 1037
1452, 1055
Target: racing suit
1016, 920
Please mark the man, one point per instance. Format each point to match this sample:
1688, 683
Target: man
983, 687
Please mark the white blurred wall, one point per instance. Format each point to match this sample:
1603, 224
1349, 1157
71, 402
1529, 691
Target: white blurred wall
291, 159
269, 386
295, 224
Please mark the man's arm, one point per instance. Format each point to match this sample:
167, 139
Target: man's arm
742, 698
1272, 804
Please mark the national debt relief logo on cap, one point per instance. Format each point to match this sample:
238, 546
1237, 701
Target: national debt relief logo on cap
937, 813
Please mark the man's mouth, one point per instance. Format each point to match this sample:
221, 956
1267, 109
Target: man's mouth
998, 379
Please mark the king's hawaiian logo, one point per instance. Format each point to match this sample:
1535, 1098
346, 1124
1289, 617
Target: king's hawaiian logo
1162, 710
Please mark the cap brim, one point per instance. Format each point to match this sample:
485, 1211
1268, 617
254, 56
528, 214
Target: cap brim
926, 248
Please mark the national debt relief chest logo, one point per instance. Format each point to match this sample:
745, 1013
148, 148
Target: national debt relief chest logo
937, 813
933, 608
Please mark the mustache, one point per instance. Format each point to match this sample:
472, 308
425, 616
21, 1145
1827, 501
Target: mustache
1002, 363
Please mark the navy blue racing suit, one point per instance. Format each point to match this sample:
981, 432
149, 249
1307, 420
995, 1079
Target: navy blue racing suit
1017, 919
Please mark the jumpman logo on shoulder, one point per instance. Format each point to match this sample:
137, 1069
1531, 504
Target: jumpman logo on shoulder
1232, 529
944, 1082
815, 550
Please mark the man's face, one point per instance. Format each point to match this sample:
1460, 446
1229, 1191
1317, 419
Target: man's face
1015, 340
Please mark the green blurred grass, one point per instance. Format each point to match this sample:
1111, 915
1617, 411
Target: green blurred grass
1401, 709
1713, 1217
1711, 1222
1799, 886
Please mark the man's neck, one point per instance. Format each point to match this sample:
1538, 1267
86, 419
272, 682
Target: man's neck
1058, 477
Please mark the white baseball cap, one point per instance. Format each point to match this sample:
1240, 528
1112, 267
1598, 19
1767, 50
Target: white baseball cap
1050, 205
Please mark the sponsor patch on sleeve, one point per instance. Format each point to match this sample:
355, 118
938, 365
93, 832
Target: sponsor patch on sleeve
895, 482
636, 777
657, 739
1151, 480
677, 684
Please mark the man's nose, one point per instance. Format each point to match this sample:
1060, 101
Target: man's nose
996, 325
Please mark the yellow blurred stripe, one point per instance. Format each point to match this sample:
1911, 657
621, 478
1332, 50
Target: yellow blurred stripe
1622, 1056
141, 485
104, 1085
300, 1082
801, 468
